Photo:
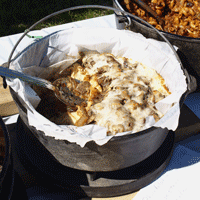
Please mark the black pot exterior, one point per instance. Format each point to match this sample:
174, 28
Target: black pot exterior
118, 153
189, 48
7, 173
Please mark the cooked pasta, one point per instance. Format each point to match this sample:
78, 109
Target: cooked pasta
182, 17
120, 93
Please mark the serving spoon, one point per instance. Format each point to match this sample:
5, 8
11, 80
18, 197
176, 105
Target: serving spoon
59, 86
149, 10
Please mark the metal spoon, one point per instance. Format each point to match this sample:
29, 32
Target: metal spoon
59, 87
149, 10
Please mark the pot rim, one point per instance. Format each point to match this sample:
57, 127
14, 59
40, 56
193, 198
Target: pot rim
136, 134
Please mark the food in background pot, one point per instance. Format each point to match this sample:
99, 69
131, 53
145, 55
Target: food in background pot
182, 17
119, 94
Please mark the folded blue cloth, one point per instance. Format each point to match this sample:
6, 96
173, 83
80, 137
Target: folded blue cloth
186, 152
193, 102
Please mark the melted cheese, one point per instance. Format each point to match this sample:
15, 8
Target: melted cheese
122, 93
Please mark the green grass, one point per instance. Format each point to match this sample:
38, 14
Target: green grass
71, 16
17, 16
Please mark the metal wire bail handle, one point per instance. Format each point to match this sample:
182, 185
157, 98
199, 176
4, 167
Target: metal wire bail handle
128, 23
100, 7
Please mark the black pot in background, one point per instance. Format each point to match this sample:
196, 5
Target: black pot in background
189, 48
7, 173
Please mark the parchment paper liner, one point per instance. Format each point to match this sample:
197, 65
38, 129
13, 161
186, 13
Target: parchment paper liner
46, 56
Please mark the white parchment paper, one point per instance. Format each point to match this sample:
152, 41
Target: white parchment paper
50, 52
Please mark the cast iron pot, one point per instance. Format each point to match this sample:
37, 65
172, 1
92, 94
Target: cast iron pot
189, 48
7, 173
118, 153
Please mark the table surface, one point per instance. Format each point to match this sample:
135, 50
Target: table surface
189, 121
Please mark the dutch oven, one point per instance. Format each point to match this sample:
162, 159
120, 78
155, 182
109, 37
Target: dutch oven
188, 48
7, 170
118, 153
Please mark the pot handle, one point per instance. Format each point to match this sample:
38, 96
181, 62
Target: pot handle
124, 13
124, 21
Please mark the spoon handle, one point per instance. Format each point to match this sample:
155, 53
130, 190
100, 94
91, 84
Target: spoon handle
9, 73
149, 10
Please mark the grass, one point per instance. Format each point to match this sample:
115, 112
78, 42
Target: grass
17, 16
